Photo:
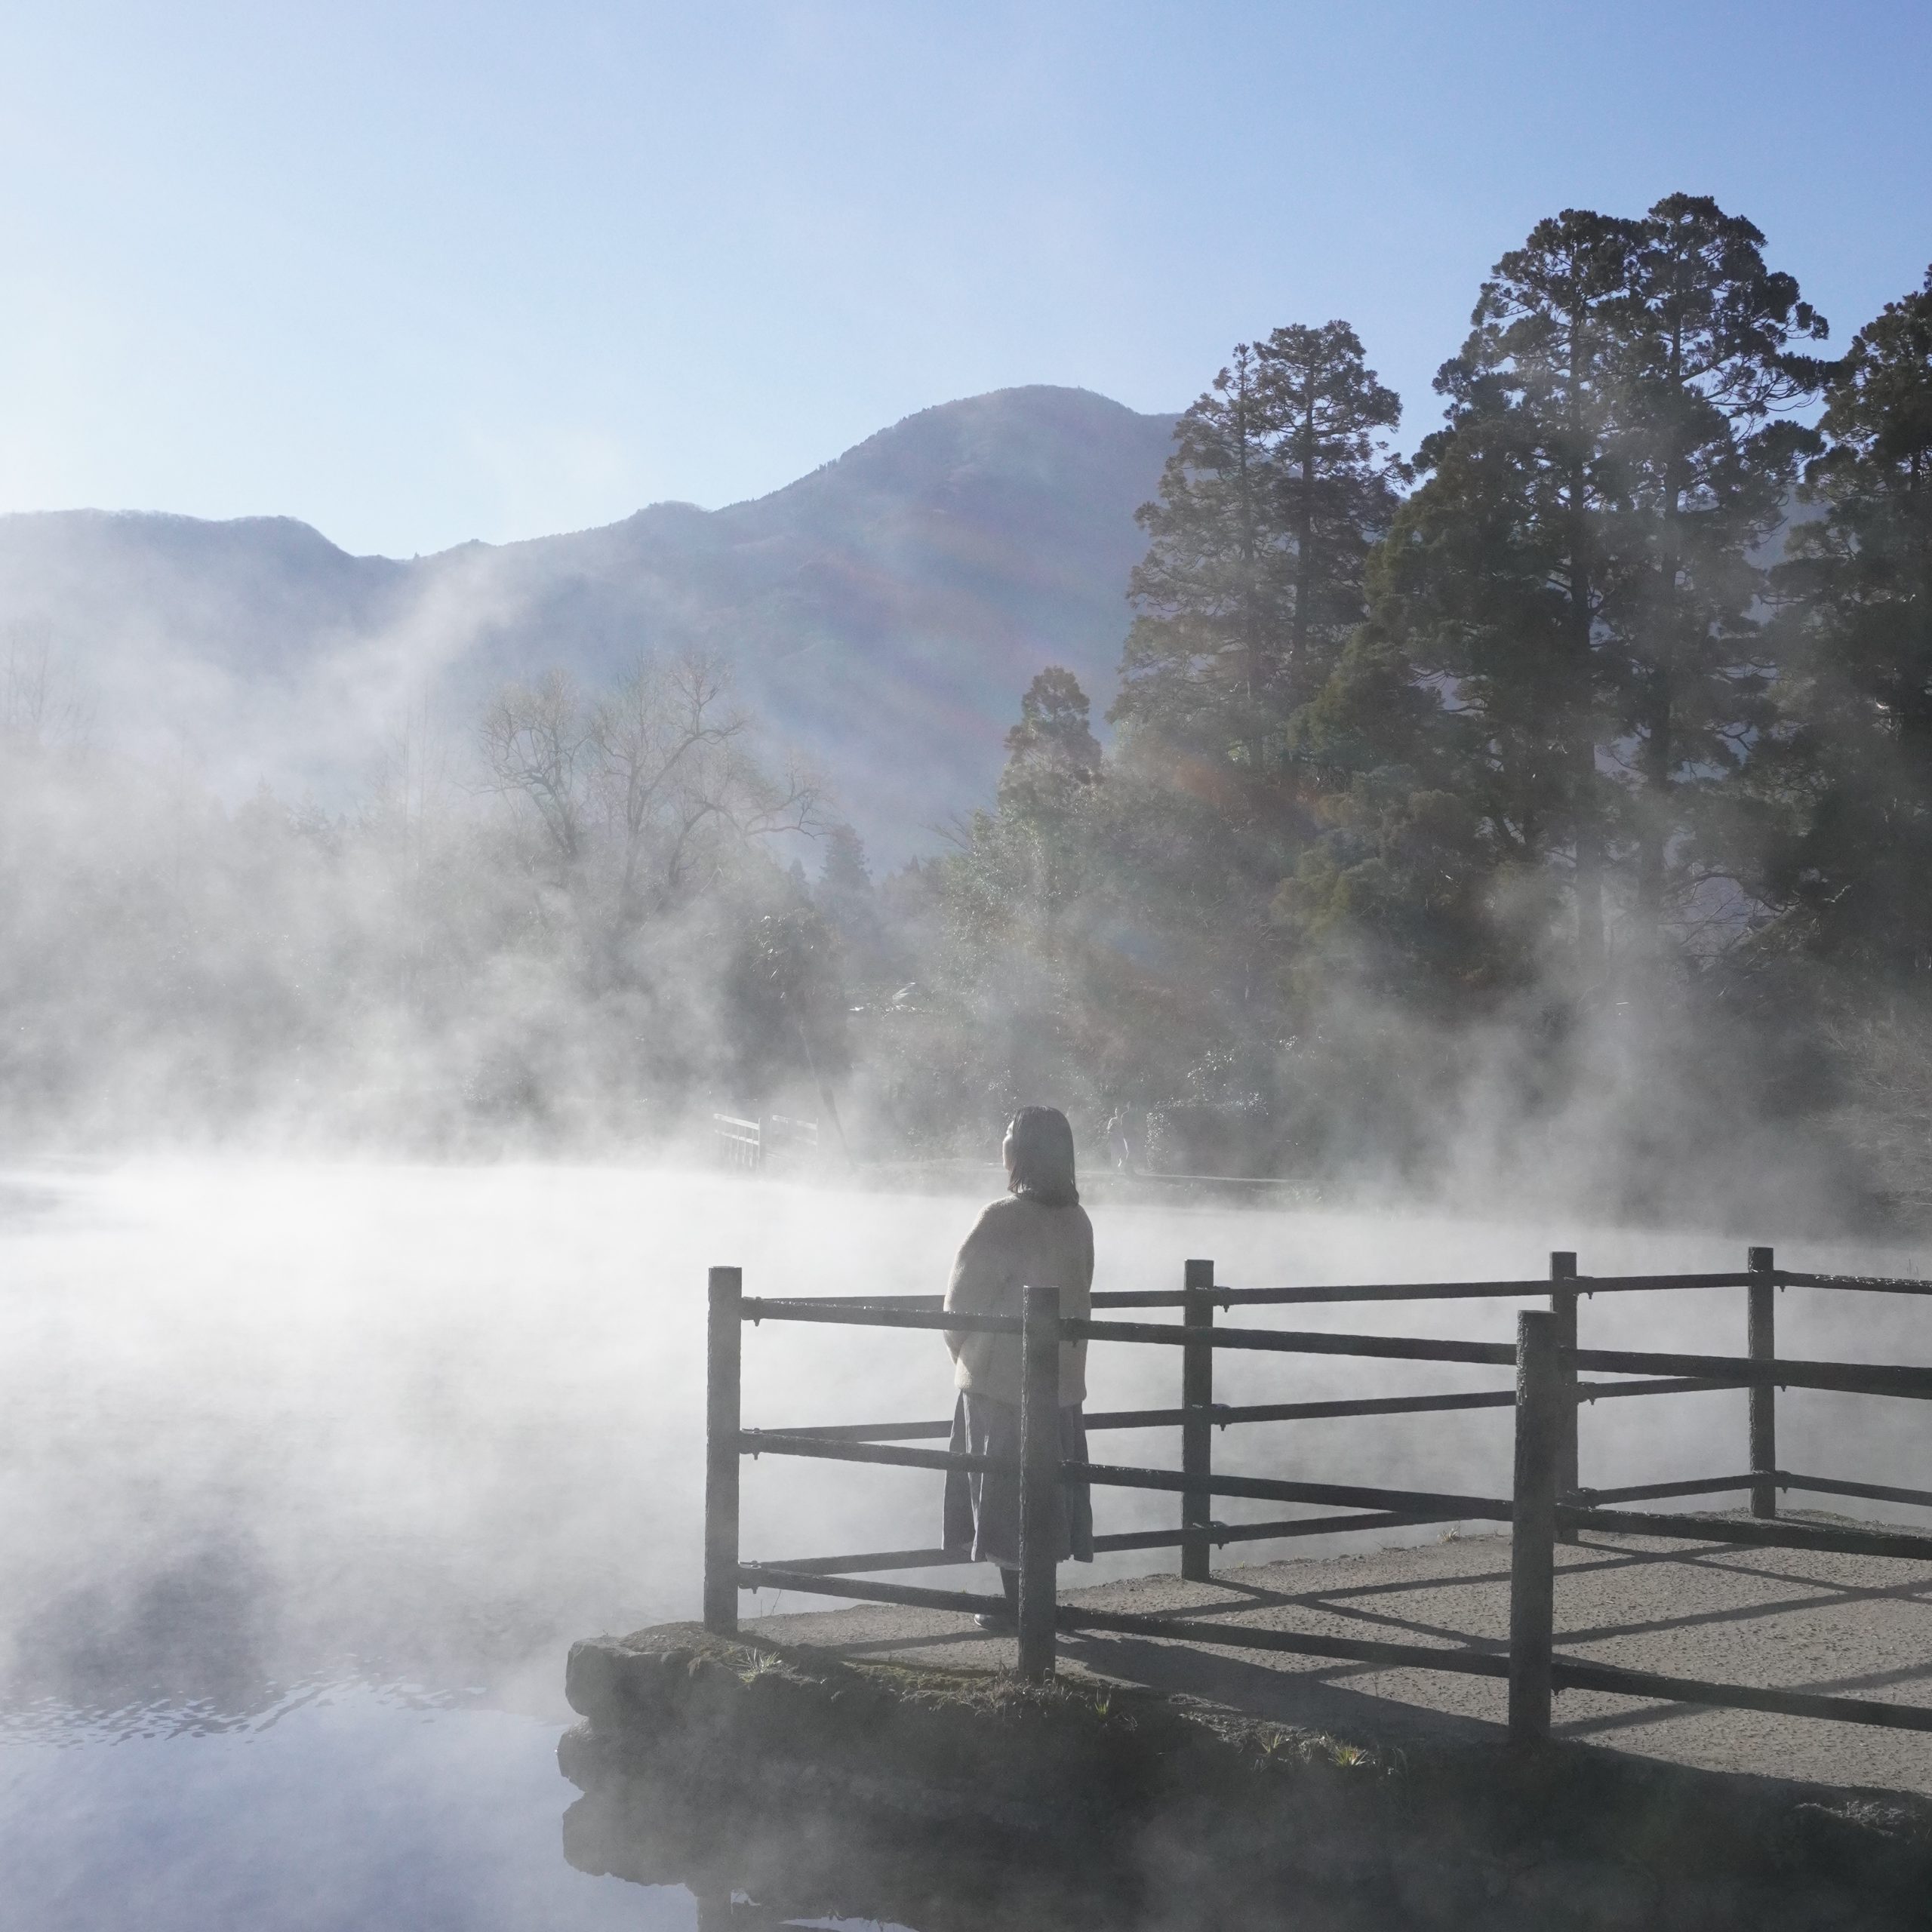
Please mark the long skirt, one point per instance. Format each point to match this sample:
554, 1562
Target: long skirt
983, 1506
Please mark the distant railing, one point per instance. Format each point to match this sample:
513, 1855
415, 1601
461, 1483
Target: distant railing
739, 1143
1546, 1504
749, 1146
782, 1134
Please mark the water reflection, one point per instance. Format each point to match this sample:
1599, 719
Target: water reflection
782, 1849
753, 1868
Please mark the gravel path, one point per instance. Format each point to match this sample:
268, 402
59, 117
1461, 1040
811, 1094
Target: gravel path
1854, 1626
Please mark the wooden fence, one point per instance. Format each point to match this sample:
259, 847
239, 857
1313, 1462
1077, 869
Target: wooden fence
750, 1147
1546, 1504
739, 1143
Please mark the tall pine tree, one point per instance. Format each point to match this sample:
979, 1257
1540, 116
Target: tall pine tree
1278, 487
1708, 361
1211, 595
1333, 490
1497, 571
1052, 755
1850, 769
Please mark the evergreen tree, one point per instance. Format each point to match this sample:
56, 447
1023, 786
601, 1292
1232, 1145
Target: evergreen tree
1850, 769
1277, 487
1278, 490
1212, 593
1028, 861
843, 873
1497, 570
1334, 495
1010, 959
1460, 735
844, 893
1709, 467
1395, 895
1052, 755
1578, 566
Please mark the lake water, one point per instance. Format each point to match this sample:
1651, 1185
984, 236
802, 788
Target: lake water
309, 1476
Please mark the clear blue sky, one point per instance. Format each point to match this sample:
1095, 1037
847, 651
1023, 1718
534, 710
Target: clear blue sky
422, 272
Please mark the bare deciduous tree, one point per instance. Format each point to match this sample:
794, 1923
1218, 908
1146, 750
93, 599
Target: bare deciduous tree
534, 740
645, 793
677, 784
38, 710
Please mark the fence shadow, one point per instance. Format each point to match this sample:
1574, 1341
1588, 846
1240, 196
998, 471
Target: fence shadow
1309, 1700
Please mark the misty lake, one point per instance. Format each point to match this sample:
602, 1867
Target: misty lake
309, 1474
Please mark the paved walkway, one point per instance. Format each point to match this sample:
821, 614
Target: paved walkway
1854, 1626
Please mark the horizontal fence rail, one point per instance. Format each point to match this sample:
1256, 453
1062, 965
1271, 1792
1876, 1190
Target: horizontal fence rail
1872, 1492
1523, 1290
1663, 1384
1287, 1530
1293, 1342
1847, 1378
1224, 1414
771, 1442
1429, 1505
1869, 1284
1266, 1489
774, 1577
1547, 1505
1646, 1492
844, 1311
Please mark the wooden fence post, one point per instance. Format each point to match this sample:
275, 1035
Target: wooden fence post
1762, 1344
1040, 1478
1197, 1428
1563, 1308
723, 1353
1532, 1528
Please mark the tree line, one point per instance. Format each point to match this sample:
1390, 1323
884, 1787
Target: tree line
1607, 710
570, 925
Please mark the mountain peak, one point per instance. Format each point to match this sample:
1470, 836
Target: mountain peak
883, 614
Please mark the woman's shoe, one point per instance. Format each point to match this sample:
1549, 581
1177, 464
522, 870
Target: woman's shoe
996, 1619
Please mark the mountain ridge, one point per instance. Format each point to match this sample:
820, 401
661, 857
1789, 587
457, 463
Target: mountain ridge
882, 613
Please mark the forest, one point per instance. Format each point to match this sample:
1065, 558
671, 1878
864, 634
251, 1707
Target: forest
1549, 800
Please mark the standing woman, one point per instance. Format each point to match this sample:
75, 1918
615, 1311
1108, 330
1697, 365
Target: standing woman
1040, 1236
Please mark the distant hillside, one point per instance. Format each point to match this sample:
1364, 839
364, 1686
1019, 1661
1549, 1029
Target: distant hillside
883, 613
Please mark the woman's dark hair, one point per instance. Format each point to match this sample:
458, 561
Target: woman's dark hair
1042, 1145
